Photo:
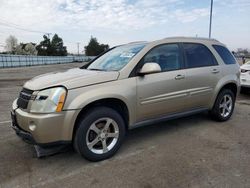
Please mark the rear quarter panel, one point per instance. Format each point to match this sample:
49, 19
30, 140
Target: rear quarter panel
230, 74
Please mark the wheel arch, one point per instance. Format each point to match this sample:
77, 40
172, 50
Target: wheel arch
229, 85
113, 103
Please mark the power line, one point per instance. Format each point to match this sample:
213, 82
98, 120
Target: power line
15, 26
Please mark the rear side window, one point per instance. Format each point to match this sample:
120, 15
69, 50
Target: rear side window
225, 54
198, 55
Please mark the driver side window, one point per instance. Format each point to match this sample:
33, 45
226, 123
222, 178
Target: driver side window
168, 56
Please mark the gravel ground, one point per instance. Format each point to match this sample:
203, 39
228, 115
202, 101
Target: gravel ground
188, 152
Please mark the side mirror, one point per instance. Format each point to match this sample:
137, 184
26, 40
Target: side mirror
149, 68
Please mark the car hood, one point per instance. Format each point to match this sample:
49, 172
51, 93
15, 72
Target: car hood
71, 78
245, 66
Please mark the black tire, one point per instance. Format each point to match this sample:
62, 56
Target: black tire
83, 132
216, 113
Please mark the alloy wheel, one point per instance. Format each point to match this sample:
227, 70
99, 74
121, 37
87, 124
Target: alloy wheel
226, 106
102, 135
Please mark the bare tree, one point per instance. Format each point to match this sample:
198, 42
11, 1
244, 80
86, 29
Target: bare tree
11, 44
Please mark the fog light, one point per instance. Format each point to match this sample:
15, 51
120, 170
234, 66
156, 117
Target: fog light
32, 127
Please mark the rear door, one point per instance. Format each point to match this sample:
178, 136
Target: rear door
202, 74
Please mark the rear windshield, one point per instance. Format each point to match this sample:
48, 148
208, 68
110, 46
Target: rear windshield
225, 54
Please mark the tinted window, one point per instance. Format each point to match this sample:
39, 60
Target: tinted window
198, 55
225, 54
168, 56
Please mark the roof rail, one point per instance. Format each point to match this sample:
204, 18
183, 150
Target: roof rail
136, 42
194, 38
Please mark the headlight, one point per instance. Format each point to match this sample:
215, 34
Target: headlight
49, 100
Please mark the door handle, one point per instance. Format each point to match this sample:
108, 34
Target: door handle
215, 71
179, 77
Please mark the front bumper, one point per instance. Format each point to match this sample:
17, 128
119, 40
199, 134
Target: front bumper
27, 137
43, 129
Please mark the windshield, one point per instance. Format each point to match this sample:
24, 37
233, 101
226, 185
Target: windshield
116, 59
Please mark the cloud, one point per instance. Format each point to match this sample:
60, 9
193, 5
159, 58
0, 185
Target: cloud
73, 19
94, 14
121, 15
190, 16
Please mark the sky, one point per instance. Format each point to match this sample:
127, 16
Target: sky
117, 22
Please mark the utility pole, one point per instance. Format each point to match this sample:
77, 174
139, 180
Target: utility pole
48, 34
211, 16
78, 47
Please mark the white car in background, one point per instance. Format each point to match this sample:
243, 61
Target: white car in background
245, 76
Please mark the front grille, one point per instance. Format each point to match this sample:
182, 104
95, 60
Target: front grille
24, 97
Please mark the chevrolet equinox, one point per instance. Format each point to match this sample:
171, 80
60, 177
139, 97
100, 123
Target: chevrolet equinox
130, 85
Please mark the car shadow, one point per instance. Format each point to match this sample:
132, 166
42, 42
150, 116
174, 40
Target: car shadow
140, 134
166, 127
243, 97
69, 161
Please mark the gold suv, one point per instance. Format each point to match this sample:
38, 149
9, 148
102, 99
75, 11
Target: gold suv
130, 85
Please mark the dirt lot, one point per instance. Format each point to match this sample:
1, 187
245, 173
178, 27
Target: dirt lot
188, 152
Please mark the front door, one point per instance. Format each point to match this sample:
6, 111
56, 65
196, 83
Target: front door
162, 93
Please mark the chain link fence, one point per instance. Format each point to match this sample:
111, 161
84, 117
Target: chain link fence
7, 60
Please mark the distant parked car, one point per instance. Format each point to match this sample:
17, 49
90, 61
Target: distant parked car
245, 76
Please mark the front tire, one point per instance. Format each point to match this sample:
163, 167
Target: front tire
100, 134
224, 105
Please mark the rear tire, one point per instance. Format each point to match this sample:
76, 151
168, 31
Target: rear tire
224, 105
100, 134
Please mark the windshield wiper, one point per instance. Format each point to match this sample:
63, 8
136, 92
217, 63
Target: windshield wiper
97, 69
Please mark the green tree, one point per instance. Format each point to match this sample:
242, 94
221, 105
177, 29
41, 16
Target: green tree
94, 48
57, 46
52, 47
44, 48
